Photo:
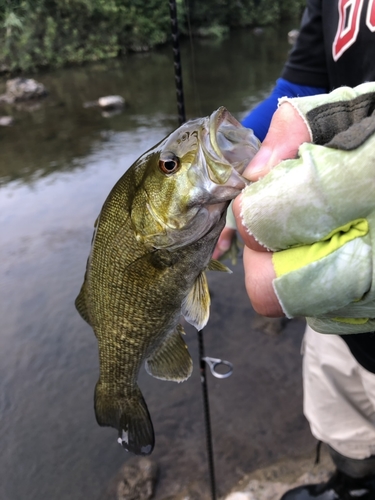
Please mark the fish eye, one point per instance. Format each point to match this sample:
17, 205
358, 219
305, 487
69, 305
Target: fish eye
169, 166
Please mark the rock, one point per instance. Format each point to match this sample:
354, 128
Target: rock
270, 483
239, 495
6, 121
6, 99
23, 89
189, 493
138, 479
110, 105
111, 102
292, 36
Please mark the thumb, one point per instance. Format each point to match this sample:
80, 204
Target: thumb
287, 132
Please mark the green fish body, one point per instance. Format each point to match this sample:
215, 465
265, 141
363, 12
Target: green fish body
153, 241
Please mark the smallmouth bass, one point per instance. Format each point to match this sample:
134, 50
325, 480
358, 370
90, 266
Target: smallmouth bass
152, 243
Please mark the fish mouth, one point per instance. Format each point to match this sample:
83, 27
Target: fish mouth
231, 140
228, 149
217, 119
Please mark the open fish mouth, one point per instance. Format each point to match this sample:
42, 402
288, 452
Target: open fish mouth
228, 148
229, 139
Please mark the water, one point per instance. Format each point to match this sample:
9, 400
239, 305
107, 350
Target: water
57, 164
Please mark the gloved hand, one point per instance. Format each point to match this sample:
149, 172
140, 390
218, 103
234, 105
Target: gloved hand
317, 214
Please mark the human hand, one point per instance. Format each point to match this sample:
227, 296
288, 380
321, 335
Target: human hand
287, 132
315, 212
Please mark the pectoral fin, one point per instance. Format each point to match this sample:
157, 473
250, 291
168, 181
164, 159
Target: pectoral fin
196, 306
171, 361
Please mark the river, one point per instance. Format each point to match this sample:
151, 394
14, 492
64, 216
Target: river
57, 165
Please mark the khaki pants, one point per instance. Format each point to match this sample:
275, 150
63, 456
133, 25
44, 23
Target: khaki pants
339, 396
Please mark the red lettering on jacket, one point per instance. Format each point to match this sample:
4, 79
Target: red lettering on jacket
348, 28
370, 16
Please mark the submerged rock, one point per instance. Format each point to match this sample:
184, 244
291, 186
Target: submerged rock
110, 105
6, 121
23, 89
111, 102
138, 481
292, 36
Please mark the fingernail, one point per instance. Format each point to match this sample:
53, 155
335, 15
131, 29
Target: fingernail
259, 161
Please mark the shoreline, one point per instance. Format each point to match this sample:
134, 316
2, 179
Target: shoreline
138, 480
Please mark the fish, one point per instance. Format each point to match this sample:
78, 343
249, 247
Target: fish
152, 243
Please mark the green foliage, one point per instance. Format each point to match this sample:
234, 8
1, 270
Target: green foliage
239, 13
56, 32
40, 33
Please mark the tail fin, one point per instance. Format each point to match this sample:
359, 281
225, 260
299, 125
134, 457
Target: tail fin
129, 415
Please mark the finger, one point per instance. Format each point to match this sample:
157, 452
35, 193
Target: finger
287, 132
224, 242
248, 239
259, 274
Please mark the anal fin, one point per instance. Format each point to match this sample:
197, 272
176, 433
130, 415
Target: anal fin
171, 360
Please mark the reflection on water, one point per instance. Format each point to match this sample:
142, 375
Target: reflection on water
57, 164
233, 73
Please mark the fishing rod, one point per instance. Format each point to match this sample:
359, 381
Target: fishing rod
212, 363
177, 63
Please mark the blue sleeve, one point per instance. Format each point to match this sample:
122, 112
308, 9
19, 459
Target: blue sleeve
259, 118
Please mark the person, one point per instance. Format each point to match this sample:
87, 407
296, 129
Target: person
335, 47
315, 215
